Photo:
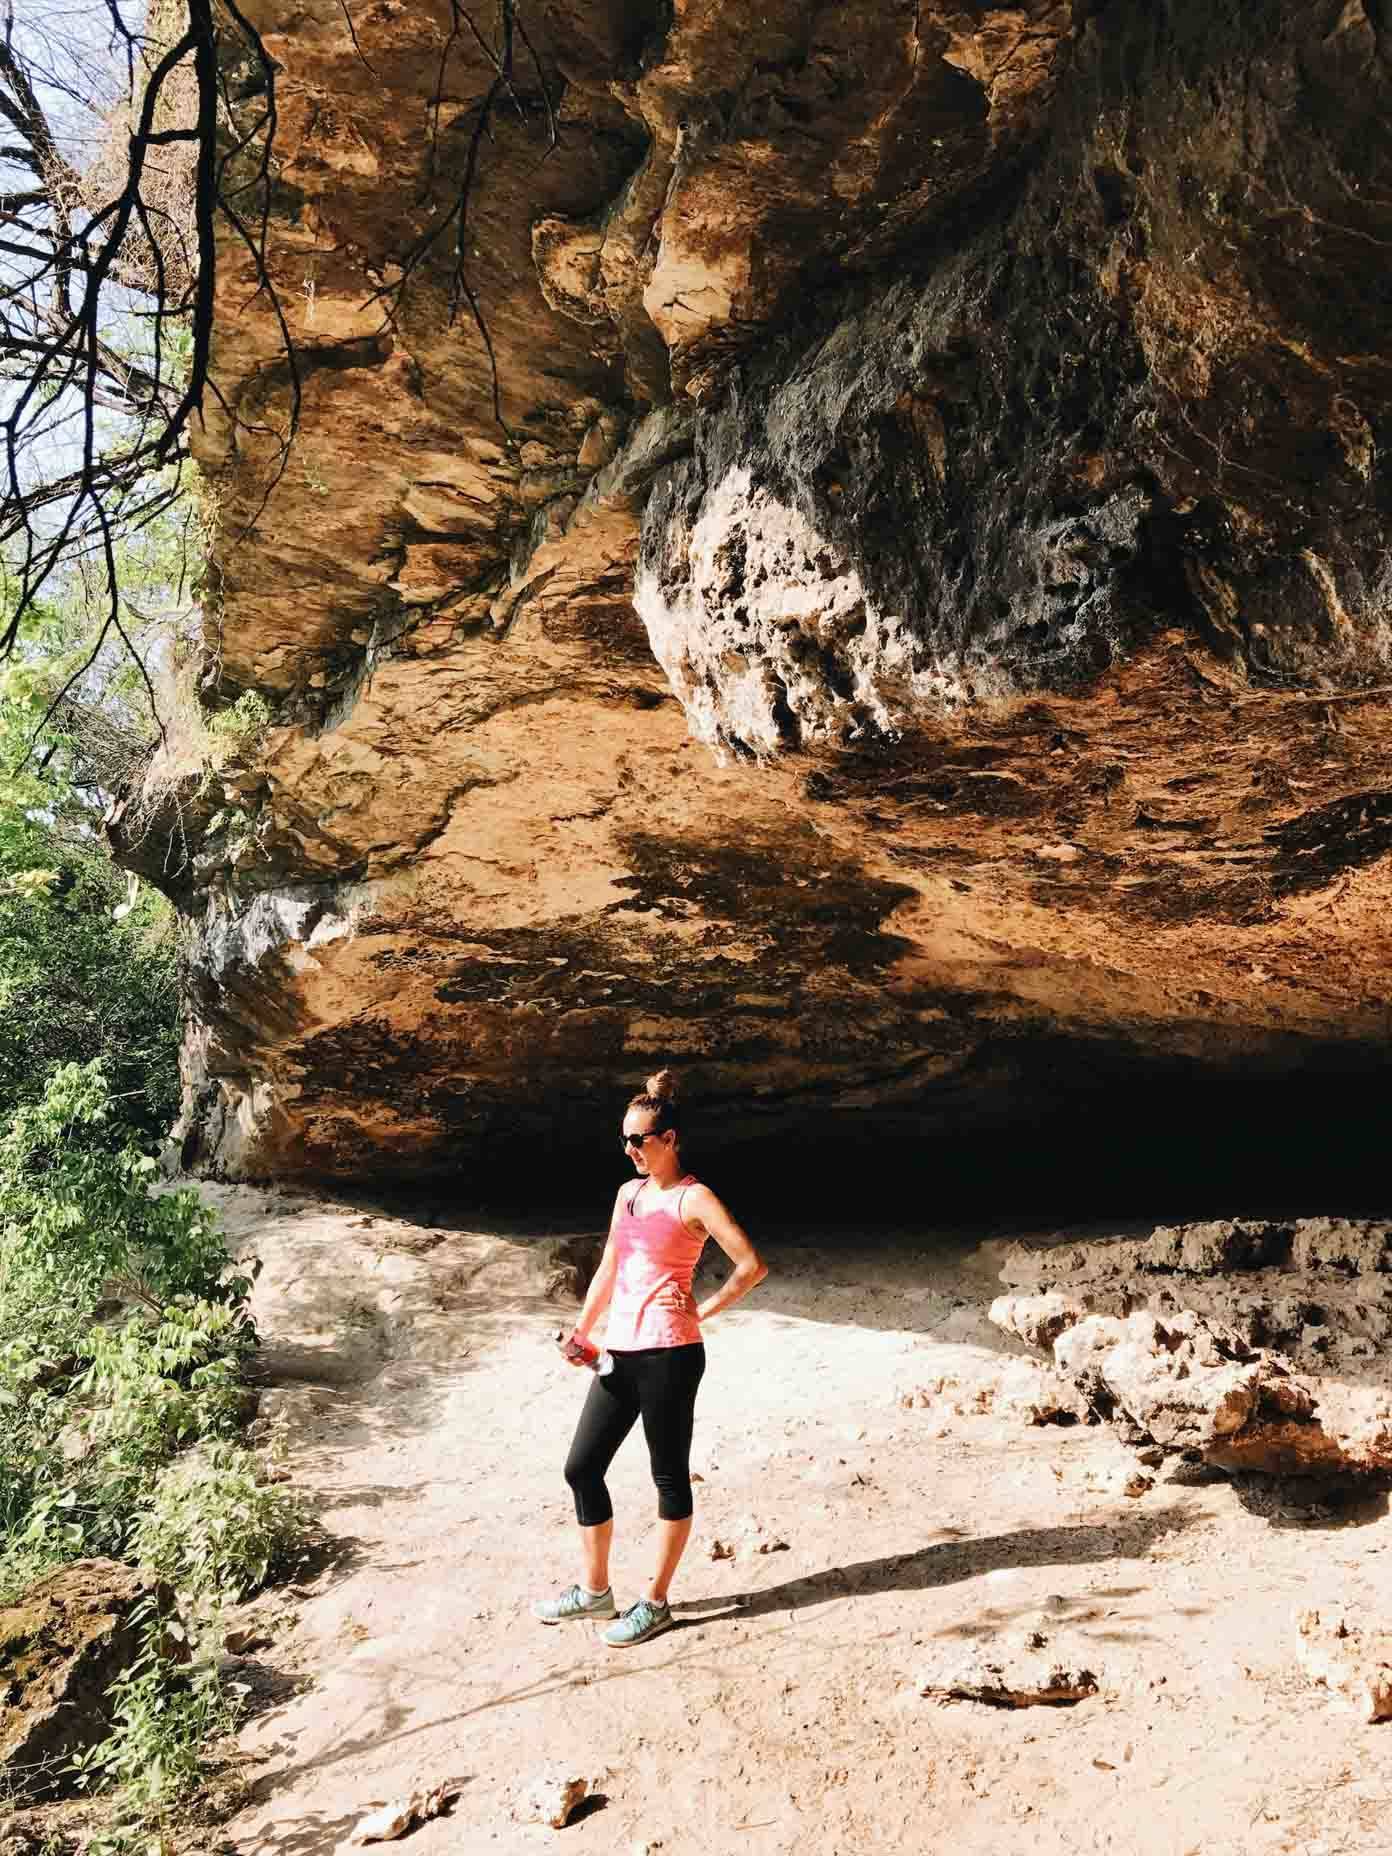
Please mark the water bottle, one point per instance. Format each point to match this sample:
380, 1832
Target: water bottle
598, 1360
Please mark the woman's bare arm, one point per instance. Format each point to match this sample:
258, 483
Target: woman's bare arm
701, 1206
601, 1287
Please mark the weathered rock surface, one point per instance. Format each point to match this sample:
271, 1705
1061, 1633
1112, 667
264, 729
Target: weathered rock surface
1353, 1663
1020, 1391
1318, 1290
1188, 1384
1034, 1667
61, 1647
911, 637
1261, 1344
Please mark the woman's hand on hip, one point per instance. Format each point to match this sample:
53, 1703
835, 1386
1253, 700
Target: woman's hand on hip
675, 1301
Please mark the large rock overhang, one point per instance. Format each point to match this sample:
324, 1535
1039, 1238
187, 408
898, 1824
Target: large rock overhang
915, 643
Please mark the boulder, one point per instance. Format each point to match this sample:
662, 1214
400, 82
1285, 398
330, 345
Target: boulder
61, 1647
569, 1265
1038, 1320
1191, 1384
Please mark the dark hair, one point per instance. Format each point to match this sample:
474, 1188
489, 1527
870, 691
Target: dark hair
659, 1096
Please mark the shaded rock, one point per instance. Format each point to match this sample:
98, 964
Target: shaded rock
1350, 1247
61, 1647
1353, 1663
570, 1264
565, 1285
32, 1833
242, 1639
1034, 1668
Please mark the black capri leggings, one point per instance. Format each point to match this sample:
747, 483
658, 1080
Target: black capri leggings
659, 1384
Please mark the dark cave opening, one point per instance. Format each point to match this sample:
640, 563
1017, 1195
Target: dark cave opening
1131, 1148
1139, 1154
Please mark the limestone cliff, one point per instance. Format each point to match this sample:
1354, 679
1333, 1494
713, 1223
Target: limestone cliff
916, 636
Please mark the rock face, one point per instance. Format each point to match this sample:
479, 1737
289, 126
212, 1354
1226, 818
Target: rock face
1174, 1337
909, 634
61, 1647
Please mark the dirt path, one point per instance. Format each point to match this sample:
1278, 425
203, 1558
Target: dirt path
427, 1412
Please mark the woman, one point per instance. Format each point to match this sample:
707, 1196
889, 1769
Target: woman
658, 1230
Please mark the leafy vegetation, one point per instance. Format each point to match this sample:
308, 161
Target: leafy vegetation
124, 1335
124, 1323
163, 1716
84, 976
214, 1524
88, 966
124, 1326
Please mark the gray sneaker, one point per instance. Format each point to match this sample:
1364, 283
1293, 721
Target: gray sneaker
573, 1602
641, 1621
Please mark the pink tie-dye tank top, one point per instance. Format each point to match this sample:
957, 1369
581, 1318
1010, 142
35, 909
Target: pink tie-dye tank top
655, 1251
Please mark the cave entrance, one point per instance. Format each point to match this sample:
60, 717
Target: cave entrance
1143, 1152
1139, 1149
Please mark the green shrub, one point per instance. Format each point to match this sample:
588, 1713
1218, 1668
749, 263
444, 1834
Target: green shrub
91, 1408
85, 975
77, 1212
214, 1527
89, 1449
124, 1334
163, 1714
158, 1382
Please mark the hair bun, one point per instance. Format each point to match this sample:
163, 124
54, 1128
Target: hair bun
663, 1085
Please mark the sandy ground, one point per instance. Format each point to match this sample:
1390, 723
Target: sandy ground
427, 1413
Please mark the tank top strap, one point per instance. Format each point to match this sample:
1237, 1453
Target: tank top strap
690, 1181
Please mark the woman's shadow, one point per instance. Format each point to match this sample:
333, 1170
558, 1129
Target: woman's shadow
947, 1562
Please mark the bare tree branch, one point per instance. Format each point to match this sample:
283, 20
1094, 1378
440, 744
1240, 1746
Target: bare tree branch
502, 61
108, 284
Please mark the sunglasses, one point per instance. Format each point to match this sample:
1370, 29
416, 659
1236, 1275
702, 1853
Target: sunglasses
637, 1140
